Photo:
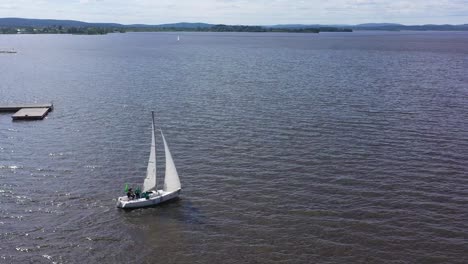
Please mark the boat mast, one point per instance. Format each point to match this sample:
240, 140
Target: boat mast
150, 181
154, 130
154, 137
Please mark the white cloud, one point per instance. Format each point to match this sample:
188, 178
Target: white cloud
243, 11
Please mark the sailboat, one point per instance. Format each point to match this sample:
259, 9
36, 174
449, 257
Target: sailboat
151, 195
178, 38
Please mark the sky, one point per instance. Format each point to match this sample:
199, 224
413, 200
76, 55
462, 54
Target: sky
246, 12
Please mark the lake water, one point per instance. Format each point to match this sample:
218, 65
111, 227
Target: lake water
291, 148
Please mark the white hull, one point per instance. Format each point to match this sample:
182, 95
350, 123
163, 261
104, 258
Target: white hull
155, 198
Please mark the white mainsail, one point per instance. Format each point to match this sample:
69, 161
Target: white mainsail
171, 179
150, 180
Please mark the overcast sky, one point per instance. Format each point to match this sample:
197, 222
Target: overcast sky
248, 12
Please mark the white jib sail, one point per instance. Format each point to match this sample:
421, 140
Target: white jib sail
171, 179
150, 180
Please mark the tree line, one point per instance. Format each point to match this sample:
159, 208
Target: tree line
106, 30
60, 30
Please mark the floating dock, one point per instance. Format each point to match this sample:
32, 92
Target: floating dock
8, 51
13, 108
28, 111
30, 114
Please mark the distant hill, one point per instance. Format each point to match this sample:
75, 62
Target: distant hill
398, 27
296, 26
186, 25
12, 22
27, 22
292, 26
378, 25
368, 25
173, 25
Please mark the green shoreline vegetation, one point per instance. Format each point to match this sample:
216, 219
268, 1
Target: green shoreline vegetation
57, 29
60, 30
240, 28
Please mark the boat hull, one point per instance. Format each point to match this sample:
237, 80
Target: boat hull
155, 198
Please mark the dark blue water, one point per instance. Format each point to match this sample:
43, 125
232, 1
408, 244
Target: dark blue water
291, 148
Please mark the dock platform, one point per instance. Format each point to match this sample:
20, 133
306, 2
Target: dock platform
14, 108
28, 111
8, 51
31, 114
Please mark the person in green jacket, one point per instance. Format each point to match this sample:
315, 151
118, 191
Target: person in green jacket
137, 193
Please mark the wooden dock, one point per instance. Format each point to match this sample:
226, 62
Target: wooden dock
30, 114
8, 51
28, 111
14, 108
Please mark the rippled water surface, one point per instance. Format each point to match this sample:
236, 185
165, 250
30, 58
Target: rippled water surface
291, 148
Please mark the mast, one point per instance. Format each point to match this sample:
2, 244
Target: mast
154, 139
150, 180
154, 131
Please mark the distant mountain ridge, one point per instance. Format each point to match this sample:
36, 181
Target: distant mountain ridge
380, 26
32, 22
27, 22
398, 27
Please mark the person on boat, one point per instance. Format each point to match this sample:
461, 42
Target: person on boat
137, 193
130, 194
